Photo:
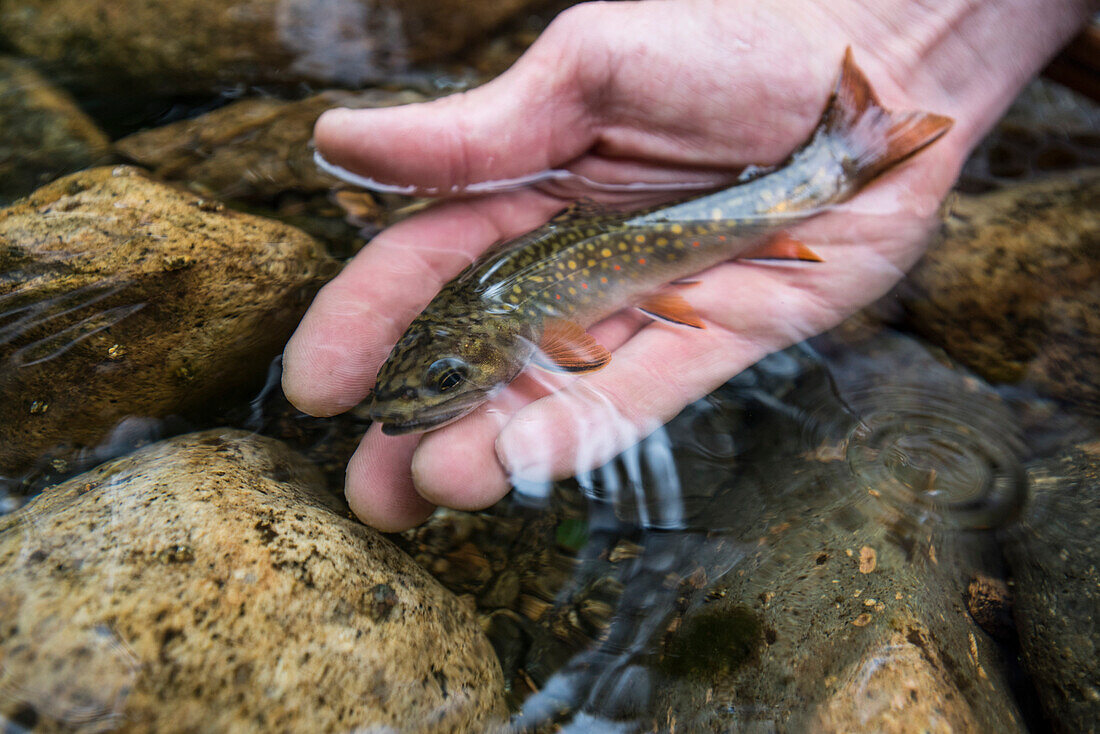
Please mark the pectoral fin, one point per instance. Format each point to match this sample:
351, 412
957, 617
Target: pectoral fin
671, 308
781, 246
567, 347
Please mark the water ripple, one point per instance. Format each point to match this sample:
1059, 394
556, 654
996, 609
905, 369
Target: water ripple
947, 457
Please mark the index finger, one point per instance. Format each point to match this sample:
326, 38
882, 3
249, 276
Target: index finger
330, 363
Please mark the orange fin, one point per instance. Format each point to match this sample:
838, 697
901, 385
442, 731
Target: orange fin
875, 138
782, 246
567, 347
671, 308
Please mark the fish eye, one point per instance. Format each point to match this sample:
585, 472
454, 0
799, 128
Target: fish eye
447, 373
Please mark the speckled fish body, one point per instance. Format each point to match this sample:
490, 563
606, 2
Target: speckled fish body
530, 298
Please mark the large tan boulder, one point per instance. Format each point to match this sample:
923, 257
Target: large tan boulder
121, 296
208, 583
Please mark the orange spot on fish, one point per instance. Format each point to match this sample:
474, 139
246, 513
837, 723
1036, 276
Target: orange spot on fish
558, 296
618, 267
584, 285
641, 261
721, 238
603, 280
695, 243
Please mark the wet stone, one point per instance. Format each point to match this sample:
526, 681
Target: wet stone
840, 604
43, 134
989, 602
281, 615
902, 686
126, 300
1048, 129
1054, 555
254, 149
198, 46
1012, 287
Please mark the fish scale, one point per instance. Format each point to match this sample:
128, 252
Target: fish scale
530, 299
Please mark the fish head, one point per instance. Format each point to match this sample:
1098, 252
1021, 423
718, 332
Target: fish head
437, 373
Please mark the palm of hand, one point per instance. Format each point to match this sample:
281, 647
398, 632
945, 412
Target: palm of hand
616, 99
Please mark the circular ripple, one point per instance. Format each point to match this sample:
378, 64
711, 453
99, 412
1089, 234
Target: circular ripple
952, 458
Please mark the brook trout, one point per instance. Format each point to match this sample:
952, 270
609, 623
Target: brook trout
530, 299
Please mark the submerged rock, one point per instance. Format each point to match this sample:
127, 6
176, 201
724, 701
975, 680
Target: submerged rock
123, 297
1054, 553
184, 46
207, 582
253, 149
1048, 128
43, 134
1012, 287
852, 534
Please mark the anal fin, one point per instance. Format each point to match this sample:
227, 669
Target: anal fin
671, 308
782, 246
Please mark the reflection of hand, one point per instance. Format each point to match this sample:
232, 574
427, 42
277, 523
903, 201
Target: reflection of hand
668, 91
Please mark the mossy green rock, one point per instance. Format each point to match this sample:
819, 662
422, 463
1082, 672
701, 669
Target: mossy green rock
208, 583
121, 296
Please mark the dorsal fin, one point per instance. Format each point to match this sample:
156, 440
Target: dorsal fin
581, 209
567, 347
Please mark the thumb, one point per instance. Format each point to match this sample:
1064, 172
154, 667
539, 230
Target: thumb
531, 118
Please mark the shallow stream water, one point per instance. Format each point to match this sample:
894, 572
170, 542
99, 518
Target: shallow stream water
889, 527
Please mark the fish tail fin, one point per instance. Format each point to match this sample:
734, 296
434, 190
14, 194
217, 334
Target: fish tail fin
874, 138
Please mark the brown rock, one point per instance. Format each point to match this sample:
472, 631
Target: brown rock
1054, 555
199, 45
901, 686
253, 149
1012, 287
207, 582
122, 296
844, 644
990, 604
43, 134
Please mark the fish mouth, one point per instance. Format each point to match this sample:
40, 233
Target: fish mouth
399, 423
392, 427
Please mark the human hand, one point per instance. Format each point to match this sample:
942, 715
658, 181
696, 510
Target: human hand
663, 92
